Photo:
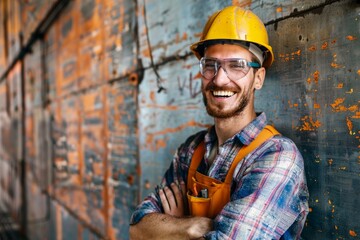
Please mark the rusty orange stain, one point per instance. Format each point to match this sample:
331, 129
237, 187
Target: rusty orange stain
279, 9
352, 233
239, 3
340, 85
160, 143
89, 101
333, 41
298, 52
150, 138
312, 48
152, 96
289, 56
324, 46
180, 38
146, 52
358, 72
164, 107
309, 124
335, 65
350, 126
353, 108
130, 179
351, 38
338, 107
330, 161
316, 105
316, 76
290, 105
337, 102
147, 185
357, 116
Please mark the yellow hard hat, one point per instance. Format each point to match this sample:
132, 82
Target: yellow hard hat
235, 25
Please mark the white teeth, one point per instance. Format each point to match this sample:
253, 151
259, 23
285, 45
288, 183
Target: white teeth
223, 93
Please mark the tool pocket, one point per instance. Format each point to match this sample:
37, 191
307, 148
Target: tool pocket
198, 206
218, 194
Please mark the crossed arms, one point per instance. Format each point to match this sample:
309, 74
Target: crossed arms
173, 223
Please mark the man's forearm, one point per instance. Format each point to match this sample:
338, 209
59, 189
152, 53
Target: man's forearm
164, 226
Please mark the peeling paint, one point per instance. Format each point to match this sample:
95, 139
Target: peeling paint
350, 126
340, 85
289, 56
152, 142
308, 124
312, 48
324, 46
338, 106
351, 38
352, 233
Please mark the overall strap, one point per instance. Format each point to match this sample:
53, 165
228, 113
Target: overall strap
195, 161
267, 133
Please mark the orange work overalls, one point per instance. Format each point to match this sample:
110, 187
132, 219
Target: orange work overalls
217, 193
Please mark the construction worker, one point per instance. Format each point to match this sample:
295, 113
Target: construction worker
239, 179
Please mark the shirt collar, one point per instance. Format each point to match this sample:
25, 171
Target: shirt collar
250, 132
246, 135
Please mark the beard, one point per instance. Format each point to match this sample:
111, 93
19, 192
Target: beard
217, 111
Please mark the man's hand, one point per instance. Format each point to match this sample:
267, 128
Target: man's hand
174, 200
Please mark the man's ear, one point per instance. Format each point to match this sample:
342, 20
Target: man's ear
259, 78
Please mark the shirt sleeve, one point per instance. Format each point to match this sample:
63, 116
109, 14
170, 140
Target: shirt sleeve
270, 197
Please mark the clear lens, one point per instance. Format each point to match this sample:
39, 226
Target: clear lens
235, 68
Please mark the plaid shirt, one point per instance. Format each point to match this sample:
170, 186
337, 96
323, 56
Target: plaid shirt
269, 196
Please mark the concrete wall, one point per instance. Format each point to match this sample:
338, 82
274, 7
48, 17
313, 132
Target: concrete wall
96, 95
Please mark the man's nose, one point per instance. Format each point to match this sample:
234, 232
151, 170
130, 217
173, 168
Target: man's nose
221, 77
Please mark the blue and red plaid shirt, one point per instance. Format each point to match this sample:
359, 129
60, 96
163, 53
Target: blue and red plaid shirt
269, 196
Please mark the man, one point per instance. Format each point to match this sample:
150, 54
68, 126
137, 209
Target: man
240, 179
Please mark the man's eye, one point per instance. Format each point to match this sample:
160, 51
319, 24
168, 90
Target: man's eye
210, 64
236, 65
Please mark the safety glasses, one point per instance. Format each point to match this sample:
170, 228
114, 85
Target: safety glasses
235, 68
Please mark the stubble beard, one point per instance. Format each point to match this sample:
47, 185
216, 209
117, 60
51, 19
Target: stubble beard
217, 111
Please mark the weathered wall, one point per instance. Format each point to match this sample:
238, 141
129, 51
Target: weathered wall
96, 95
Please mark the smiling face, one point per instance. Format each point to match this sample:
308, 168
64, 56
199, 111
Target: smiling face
223, 97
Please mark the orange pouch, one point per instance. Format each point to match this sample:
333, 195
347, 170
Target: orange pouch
218, 195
